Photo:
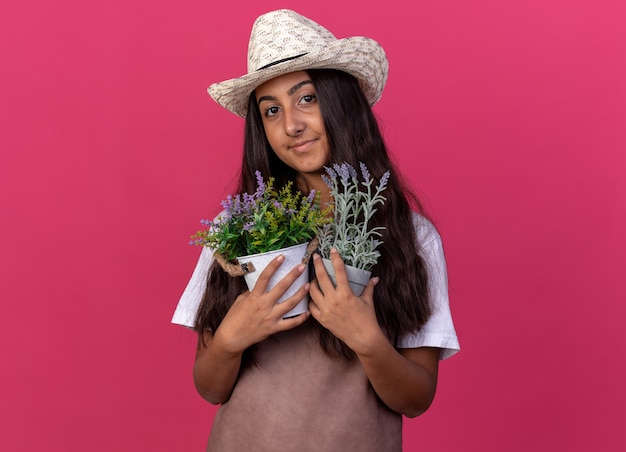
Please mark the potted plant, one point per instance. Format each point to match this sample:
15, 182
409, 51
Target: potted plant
255, 228
354, 204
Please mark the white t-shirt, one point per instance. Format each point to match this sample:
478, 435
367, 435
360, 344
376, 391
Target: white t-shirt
438, 331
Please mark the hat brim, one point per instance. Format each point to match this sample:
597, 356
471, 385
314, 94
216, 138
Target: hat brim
359, 56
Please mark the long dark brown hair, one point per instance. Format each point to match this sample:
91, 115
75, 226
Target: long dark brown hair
401, 298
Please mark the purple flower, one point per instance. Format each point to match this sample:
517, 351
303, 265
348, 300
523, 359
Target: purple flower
237, 207
249, 203
364, 172
383, 180
261, 185
342, 171
311, 196
351, 171
227, 204
345, 171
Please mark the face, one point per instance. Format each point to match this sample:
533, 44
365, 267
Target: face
293, 122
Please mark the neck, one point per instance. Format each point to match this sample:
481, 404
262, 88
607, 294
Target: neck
308, 182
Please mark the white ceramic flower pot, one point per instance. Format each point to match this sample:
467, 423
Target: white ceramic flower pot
357, 278
293, 257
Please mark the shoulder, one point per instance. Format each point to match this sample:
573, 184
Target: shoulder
425, 231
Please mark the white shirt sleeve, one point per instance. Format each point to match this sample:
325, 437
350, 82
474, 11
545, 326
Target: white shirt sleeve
438, 331
185, 313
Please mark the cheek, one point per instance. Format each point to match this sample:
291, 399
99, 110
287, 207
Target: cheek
275, 145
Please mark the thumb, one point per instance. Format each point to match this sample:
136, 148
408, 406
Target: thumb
368, 292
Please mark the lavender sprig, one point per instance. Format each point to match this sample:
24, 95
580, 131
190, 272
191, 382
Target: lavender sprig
354, 205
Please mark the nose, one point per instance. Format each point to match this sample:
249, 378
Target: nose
294, 123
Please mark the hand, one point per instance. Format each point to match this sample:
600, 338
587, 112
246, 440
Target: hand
256, 314
352, 319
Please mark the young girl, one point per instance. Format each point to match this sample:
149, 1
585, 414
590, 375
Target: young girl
340, 376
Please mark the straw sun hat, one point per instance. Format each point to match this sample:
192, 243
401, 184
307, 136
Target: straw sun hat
283, 41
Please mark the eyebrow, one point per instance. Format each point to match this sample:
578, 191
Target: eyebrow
290, 91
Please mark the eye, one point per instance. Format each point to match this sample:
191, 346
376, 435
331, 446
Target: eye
308, 99
271, 111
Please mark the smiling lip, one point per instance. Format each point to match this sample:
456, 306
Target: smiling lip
301, 145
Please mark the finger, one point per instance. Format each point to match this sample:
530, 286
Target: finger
368, 292
315, 291
287, 305
340, 269
284, 284
293, 322
264, 278
316, 298
314, 309
323, 279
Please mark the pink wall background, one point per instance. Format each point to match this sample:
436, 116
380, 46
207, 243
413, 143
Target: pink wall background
510, 118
